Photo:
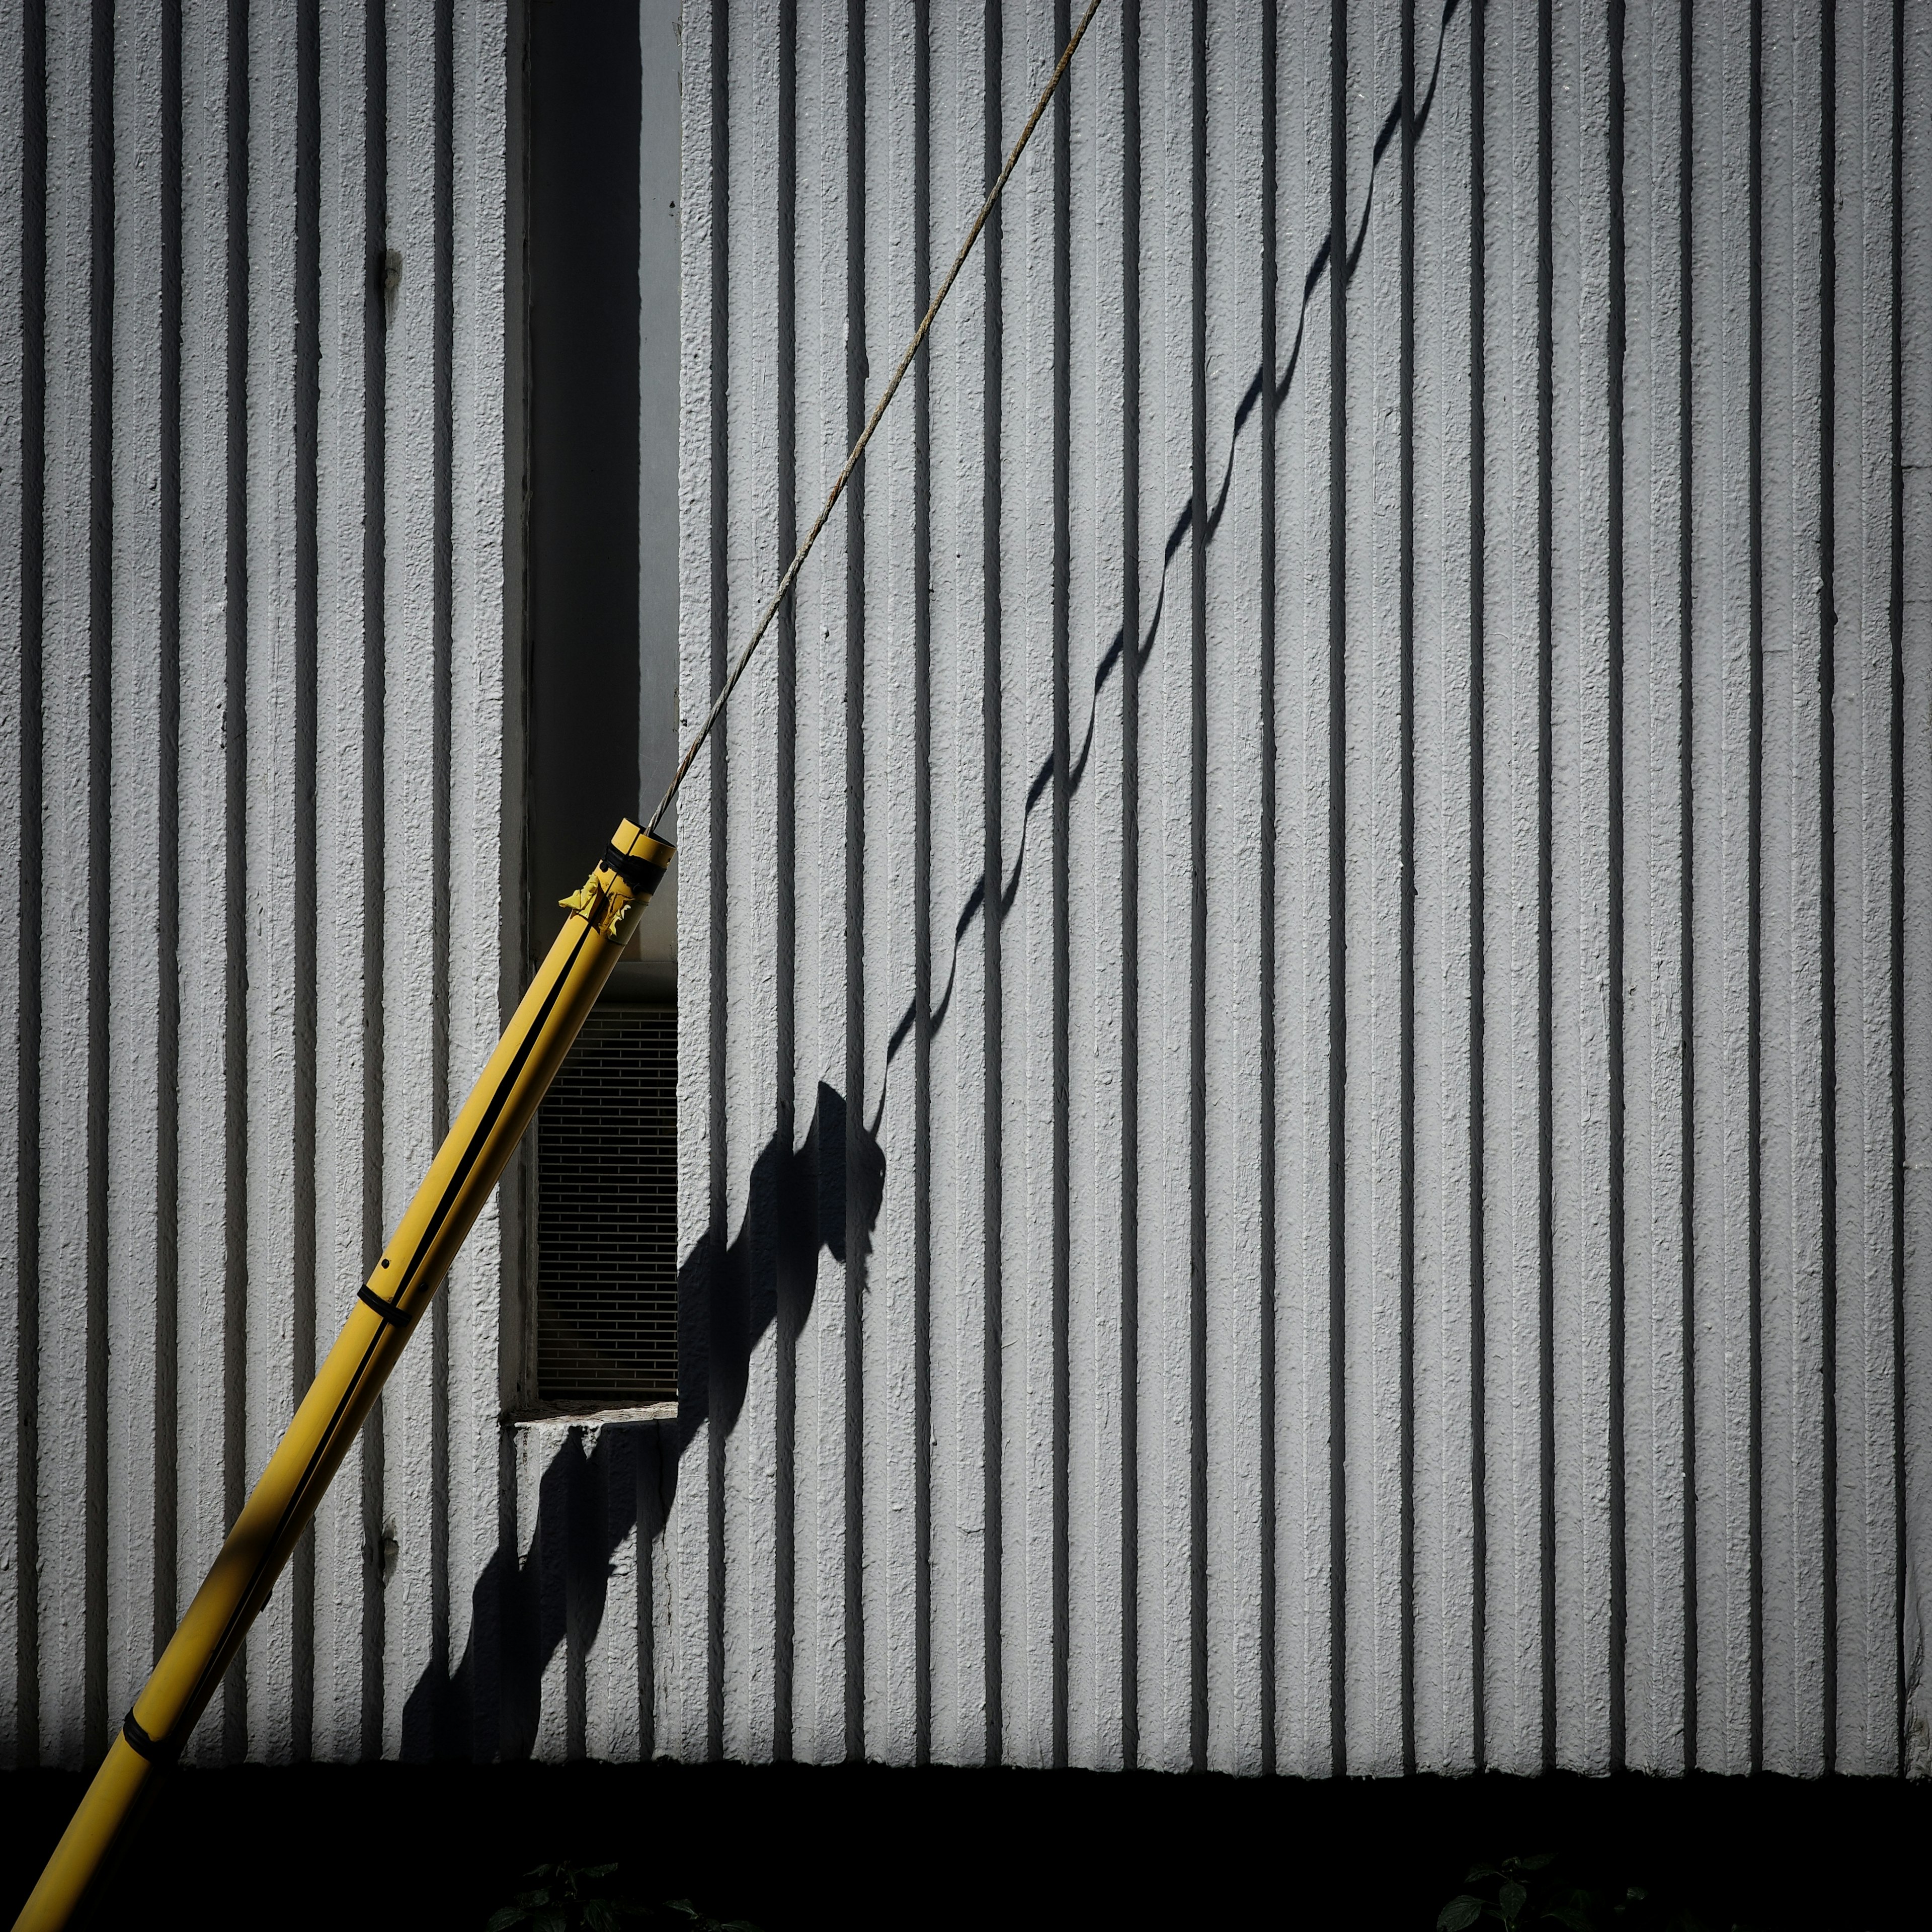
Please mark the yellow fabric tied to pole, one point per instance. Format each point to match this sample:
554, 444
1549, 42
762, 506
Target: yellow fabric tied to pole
466, 1168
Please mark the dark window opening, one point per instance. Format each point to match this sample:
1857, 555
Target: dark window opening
602, 122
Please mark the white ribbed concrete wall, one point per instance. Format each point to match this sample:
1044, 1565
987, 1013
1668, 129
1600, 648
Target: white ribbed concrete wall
254, 675
1358, 858
1304, 1122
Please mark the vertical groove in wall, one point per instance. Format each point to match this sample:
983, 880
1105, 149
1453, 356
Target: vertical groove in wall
1266, 1605
1686, 825
302, 880
235, 1273
857, 1235
1062, 180
374, 812
1406, 406
443, 228
1545, 1459
101, 672
1130, 909
167, 857
1827, 860
922, 907
1337, 843
1478, 1099
1614, 973
1545, 832
1197, 940
1901, 1554
992, 873
718, 880
1753, 895
784, 924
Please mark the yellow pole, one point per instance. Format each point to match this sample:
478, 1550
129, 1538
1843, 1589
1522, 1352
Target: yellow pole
466, 1167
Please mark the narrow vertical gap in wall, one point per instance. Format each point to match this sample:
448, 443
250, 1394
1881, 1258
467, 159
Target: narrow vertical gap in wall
1479, 1552
1197, 895
375, 498
33, 480
167, 858
442, 1718
857, 1242
1130, 896
1406, 404
1827, 877
1546, 1265
1896, 961
308, 374
1687, 1314
1062, 545
991, 1203
923, 137
99, 774
235, 1044
718, 303
1337, 831
1265, 1605
785, 918
1618, 992
1754, 898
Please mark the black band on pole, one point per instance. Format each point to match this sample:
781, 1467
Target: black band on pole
387, 1310
637, 872
156, 1750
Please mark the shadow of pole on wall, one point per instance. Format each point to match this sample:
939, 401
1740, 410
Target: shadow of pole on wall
593, 1492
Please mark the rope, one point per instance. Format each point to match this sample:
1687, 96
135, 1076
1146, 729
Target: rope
879, 409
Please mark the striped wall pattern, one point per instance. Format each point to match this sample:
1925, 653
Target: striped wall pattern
1343, 827
1301, 1121
254, 682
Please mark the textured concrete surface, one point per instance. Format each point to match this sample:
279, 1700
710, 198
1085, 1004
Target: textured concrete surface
1302, 1120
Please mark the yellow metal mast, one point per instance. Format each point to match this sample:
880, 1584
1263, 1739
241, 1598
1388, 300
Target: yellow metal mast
466, 1168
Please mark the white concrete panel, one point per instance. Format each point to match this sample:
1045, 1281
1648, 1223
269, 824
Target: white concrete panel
1307, 1738
964, 1254
484, 924
416, 828
1870, 1591
274, 781
887, 1097
1369, 720
212, 1209
74, 727
1724, 666
1443, 1464
1913, 266
1583, 1161
19, 652
686, 1658
142, 686
1099, 829
1235, 1150
348, 860
1797, 1461
1515, 1417
1030, 634
1659, 1519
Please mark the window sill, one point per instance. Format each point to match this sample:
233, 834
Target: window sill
590, 1414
